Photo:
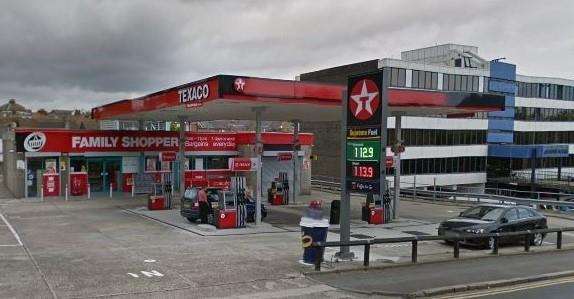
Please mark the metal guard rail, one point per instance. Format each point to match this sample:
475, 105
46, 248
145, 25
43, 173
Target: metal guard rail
528, 234
478, 196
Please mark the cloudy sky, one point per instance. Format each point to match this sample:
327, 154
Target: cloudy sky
78, 54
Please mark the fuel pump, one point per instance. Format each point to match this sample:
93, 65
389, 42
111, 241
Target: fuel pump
238, 184
167, 189
284, 179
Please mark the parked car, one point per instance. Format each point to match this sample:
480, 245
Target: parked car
489, 218
190, 205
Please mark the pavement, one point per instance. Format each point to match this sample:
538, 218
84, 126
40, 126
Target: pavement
465, 274
102, 248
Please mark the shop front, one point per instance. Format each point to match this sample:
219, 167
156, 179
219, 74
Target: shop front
104, 162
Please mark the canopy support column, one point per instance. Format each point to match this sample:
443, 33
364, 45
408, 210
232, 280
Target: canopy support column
296, 166
258, 152
182, 126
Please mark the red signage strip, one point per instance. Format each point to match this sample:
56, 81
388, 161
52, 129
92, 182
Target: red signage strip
192, 93
242, 164
78, 141
168, 156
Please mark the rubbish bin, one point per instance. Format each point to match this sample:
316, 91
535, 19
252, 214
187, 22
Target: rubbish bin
335, 213
312, 230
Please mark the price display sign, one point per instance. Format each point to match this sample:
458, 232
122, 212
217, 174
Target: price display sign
365, 134
363, 170
363, 150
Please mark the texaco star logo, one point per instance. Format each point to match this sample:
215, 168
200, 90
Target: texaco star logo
239, 84
364, 101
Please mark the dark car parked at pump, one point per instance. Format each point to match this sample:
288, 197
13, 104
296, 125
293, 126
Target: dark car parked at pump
484, 219
190, 205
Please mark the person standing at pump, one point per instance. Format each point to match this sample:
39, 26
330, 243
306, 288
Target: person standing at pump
203, 205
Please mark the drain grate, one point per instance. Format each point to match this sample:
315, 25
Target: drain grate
361, 236
416, 233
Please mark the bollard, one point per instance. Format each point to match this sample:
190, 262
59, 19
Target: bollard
89, 192
527, 242
456, 249
495, 246
111, 190
559, 240
42, 192
133, 189
318, 259
414, 251
366, 255
66, 193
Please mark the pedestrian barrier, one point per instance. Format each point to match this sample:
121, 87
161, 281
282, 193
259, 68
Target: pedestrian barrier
457, 240
324, 184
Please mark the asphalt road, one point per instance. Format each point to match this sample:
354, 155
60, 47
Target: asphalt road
410, 279
553, 289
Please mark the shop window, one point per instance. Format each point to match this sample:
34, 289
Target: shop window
216, 162
78, 165
152, 164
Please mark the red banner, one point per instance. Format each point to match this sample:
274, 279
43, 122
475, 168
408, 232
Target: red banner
284, 156
120, 141
78, 183
51, 184
167, 156
241, 164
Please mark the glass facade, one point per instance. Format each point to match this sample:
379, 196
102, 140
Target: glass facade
543, 114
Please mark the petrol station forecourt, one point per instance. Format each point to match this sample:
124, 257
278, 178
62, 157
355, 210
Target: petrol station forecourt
225, 97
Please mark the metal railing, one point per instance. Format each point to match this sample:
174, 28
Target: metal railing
492, 196
414, 240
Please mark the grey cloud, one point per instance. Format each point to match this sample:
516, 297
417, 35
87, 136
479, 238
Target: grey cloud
82, 53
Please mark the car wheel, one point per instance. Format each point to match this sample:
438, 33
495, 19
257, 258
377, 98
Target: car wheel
537, 239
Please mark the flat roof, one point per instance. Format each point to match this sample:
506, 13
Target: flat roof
224, 97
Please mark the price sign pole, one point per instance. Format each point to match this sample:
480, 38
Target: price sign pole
363, 148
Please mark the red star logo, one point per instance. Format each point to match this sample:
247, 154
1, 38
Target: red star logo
363, 99
239, 84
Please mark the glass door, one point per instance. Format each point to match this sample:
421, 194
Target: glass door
96, 174
112, 167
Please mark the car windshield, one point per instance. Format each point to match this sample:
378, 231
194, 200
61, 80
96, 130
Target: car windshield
190, 193
493, 215
483, 212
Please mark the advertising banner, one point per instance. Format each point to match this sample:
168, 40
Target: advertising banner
242, 164
51, 184
78, 183
120, 141
167, 156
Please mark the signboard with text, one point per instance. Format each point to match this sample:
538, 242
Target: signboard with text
365, 134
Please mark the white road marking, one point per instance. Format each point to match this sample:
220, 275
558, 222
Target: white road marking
151, 273
12, 230
149, 261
